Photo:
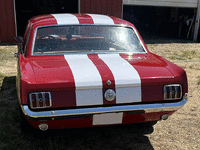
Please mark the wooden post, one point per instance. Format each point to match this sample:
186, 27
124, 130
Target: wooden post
196, 28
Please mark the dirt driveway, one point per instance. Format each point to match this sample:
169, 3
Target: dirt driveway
180, 131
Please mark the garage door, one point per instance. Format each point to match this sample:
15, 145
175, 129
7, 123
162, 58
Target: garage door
167, 3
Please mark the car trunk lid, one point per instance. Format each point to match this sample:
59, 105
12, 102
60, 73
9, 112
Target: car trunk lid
84, 80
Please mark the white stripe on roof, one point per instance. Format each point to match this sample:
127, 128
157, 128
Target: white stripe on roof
63, 19
101, 19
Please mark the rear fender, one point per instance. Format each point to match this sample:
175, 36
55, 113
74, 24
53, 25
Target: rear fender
179, 73
25, 79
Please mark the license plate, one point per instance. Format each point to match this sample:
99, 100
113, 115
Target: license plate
107, 118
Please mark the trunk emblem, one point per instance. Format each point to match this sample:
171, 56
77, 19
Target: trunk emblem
110, 95
108, 82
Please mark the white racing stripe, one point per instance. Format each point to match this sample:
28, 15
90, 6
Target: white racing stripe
63, 19
101, 19
127, 79
88, 81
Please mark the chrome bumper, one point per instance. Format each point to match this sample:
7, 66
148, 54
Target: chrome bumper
71, 113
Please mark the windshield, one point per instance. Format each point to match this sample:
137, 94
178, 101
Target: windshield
86, 39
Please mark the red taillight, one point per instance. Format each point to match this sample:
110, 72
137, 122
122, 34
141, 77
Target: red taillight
172, 91
40, 100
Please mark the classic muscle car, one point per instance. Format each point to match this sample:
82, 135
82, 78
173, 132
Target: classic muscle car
84, 70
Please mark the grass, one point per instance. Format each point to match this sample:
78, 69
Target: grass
6, 52
7, 62
188, 54
175, 52
184, 55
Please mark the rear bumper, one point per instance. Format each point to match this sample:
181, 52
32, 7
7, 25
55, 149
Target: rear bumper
86, 112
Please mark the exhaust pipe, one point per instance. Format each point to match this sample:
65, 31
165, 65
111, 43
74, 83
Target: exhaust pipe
164, 117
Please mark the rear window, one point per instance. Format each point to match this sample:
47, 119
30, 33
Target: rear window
86, 39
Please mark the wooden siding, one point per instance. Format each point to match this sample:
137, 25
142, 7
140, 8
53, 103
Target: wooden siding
107, 7
166, 3
7, 21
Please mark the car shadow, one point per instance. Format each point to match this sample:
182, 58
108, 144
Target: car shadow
115, 137
110, 137
8, 88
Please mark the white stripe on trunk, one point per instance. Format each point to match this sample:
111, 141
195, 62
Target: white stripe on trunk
63, 19
88, 81
101, 19
127, 79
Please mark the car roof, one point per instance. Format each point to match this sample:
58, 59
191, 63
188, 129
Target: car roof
75, 19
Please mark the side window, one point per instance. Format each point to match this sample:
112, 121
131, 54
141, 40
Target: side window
26, 36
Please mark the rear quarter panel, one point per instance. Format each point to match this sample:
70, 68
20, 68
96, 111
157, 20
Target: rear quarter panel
25, 79
179, 73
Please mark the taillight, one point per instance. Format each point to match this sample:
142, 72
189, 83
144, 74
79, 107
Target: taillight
172, 91
40, 100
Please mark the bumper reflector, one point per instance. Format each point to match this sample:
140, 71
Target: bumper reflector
43, 126
164, 117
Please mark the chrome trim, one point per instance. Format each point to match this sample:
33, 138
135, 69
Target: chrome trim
44, 101
147, 108
181, 93
171, 92
83, 53
27, 39
117, 25
30, 100
100, 87
176, 92
165, 93
127, 85
37, 100
33, 41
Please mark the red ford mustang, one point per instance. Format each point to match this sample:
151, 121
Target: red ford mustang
83, 70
